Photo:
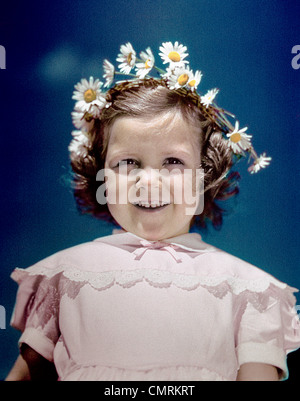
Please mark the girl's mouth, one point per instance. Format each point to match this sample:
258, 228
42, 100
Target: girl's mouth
150, 206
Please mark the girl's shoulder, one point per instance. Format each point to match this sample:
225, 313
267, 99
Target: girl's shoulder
242, 277
214, 262
87, 256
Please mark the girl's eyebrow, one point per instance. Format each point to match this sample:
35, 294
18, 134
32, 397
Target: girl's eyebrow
121, 153
164, 154
177, 152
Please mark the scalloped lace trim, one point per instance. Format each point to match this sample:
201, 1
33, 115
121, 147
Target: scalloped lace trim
159, 278
219, 286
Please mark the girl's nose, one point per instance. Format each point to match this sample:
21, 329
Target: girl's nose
147, 178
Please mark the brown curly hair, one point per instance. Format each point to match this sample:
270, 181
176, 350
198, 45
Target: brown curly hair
146, 98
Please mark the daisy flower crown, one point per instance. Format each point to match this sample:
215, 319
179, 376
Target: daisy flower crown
91, 100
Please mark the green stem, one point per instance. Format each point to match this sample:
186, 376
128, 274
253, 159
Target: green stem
159, 70
125, 75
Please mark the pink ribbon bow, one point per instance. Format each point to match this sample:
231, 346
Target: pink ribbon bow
146, 245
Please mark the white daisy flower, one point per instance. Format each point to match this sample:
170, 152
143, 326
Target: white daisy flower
127, 58
79, 144
89, 96
95, 110
194, 80
82, 120
109, 73
209, 97
261, 162
173, 54
142, 69
238, 140
179, 78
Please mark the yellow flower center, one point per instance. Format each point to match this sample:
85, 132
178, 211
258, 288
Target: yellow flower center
129, 58
236, 137
182, 79
192, 82
89, 95
146, 64
174, 56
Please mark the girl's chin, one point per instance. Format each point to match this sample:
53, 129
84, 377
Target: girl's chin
155, 233
148, 232
151, 225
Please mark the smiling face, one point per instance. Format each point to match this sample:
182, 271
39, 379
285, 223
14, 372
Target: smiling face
148, 159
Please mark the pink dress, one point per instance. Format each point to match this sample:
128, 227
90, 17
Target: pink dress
123, 308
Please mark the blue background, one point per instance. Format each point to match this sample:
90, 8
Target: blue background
242, 47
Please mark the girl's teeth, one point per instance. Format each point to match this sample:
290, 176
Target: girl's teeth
152, 205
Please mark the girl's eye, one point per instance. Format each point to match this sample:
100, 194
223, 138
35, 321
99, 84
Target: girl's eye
173, 161
126, 162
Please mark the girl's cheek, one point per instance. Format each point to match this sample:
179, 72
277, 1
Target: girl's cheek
179, 186
185, 189
121, 190
111, 185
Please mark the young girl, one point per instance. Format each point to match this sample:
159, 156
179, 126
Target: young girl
153, 301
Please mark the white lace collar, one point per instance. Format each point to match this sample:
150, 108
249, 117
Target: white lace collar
189, 241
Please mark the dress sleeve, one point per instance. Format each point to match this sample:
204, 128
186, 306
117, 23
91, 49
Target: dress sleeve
36, 312
268, 335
